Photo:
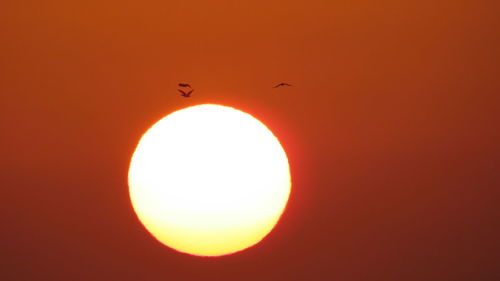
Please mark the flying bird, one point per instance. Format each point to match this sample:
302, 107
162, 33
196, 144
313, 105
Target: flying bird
184, 94
184, 85
282, 85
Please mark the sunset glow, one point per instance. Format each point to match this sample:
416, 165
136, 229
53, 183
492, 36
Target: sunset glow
209, 180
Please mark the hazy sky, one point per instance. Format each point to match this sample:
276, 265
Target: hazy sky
392, 131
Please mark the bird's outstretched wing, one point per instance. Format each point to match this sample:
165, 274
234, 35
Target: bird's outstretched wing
281, 85
189, 93
184, 85
182, 92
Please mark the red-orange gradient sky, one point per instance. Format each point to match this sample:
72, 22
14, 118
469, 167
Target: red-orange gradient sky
392, 131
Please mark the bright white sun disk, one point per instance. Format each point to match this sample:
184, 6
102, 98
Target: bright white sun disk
209, 180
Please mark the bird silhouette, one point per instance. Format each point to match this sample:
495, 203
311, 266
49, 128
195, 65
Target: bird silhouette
282, 85
184, 94
184, 85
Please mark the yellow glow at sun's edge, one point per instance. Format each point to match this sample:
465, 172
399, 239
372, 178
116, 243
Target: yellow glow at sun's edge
209, 180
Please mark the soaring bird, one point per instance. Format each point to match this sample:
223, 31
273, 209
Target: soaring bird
184, 94
184, 85
282, 84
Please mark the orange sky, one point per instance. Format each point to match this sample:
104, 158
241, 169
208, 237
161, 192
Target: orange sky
391, 130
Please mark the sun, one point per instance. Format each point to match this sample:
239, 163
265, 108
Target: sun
209, 180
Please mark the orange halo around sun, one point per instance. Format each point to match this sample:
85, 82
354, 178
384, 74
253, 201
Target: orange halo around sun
209, 180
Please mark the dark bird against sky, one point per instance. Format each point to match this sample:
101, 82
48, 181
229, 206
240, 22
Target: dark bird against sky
282, 84
184, 94
185, 85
